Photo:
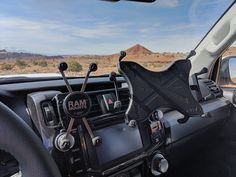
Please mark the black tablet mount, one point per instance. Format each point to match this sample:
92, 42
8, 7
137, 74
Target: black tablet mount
150, 90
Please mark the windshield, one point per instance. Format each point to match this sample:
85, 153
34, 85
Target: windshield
36, 35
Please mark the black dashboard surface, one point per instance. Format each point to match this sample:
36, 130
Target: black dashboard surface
14, 95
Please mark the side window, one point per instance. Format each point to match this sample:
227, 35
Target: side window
227, 70
232, 70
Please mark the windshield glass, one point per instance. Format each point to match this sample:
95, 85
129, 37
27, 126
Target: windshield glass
36, 35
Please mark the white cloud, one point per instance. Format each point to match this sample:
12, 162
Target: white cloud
168, 3
98, 30
182, 26
198, 10
101, 30
53, 37
147, 29
18, 24
173, 43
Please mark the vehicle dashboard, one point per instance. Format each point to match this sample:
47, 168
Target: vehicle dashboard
123, 149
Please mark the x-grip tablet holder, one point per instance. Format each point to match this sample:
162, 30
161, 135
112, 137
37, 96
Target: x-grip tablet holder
150, 90
76, 105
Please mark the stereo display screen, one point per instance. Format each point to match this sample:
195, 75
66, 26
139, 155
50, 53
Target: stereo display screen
117, 141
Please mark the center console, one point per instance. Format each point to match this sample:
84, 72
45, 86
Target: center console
121, 146
99, 141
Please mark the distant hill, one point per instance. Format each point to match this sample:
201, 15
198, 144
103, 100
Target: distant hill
106, 63
37, 63
3, 51
4, 54
138, 50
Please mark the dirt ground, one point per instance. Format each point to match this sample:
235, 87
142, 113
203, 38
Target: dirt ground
105, 64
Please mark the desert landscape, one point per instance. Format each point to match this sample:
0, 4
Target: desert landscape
23, 63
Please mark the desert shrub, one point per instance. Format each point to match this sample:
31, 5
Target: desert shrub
109, 59
43, 63
74, 66
21, 63
145, 64
35, 63
7, 66
157, 65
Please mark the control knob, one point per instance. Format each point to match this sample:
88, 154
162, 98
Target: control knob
159, 165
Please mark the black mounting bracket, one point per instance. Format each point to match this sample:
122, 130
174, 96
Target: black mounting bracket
150, 90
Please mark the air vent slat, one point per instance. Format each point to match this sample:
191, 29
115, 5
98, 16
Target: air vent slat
213, 88
96, 109
124, 98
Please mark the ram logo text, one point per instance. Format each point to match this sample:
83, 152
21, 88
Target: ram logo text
77, 105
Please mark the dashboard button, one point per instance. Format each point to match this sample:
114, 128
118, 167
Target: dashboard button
109, 101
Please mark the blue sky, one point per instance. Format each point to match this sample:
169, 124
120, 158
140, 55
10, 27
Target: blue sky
96, 27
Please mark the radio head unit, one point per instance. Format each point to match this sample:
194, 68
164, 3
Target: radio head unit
118, 141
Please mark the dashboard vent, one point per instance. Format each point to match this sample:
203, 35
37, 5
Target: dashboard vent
124, 98
213, 88
96, 109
